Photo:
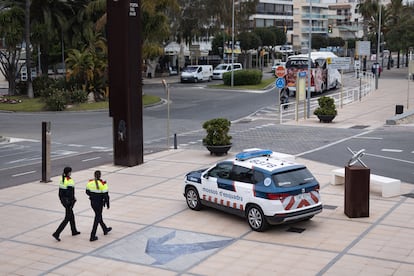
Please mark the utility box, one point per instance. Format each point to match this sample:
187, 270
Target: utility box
357, 180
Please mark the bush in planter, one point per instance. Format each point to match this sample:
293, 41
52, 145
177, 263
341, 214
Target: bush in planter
326, 107
217, 132
243, 77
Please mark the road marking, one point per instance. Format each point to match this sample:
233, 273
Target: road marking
20, 174
390, 158
391, 150
75, 145
369, 138
15, 140
90, 159
99, 148
334, 143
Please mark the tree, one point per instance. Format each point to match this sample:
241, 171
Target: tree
249, 40
267, 37
49, 22
367, 9
28, 49
12, 30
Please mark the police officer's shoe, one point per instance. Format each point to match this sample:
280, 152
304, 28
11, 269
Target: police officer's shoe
75, 233
93, 239
56, 236
107, 230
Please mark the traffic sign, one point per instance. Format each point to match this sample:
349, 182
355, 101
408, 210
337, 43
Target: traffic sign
280, 82
280, 71
340, 63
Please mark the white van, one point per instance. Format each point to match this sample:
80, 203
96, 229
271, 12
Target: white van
196, 73
223, 68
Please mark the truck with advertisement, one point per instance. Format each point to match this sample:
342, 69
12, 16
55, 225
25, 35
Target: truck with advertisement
322, 77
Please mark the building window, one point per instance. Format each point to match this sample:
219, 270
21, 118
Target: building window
260, 23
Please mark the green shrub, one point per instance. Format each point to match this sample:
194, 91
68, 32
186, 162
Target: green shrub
21, 87
40, 84
326, 106
217, 132
56, 100
78, 96
244, 77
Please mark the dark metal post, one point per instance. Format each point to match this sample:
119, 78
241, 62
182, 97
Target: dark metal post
45, 152
125, 80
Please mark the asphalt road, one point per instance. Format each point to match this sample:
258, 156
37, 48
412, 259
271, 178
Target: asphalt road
84, 139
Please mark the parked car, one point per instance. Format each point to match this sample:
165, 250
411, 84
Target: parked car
196, 73
223, 68
257, 185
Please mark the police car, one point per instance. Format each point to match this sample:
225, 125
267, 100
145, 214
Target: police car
256, 185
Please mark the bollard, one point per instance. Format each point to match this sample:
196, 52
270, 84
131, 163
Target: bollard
175, 140
46, 152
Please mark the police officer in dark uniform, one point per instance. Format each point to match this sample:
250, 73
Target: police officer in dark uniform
97, 190
67, 198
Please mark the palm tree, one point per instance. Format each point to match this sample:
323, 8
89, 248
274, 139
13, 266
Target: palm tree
49, 22
368, 9
11, 29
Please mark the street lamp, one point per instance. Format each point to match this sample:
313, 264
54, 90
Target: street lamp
378, 46
308, 94
232, 46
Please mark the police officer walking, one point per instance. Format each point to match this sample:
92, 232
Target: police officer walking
97, 190
67, 198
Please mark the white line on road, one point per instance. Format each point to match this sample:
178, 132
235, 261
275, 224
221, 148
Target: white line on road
75, 145
369, 138
390, 158
391, 150
90, 159
334, 143
20, 174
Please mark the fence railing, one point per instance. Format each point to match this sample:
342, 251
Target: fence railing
295, 111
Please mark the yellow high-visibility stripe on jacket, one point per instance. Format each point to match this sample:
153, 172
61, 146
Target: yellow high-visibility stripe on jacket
102, 186
66, 183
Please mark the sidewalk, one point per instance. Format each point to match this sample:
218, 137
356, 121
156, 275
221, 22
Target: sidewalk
154, 233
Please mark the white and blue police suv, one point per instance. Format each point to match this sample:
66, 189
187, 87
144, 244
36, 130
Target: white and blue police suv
258, 186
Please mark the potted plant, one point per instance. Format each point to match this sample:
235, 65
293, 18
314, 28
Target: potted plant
217, 140
326, 111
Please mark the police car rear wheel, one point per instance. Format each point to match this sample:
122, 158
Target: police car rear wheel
256, 219
192, 198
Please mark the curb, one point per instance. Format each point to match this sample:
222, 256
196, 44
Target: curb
404, 118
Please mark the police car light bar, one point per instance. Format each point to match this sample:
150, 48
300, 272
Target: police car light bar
252, 154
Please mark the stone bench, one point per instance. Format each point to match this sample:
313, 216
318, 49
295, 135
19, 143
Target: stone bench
389, 186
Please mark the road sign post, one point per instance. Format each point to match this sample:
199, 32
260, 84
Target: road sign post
280, 72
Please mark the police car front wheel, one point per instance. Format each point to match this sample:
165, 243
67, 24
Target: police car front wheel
192, 198
256, 219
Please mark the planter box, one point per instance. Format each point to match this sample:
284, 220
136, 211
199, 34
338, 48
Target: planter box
218, 150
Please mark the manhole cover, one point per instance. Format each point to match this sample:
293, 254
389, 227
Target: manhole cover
359, 127
409, 195
295, 229
330, 207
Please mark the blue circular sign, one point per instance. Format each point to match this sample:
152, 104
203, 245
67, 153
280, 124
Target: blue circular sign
280, 82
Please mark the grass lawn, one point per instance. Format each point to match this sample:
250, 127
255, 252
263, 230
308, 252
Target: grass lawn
37, 104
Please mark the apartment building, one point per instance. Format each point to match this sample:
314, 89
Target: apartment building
299, 18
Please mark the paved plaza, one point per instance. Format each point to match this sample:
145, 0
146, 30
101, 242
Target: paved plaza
155, 233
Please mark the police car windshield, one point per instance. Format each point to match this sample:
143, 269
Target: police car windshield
293, 178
